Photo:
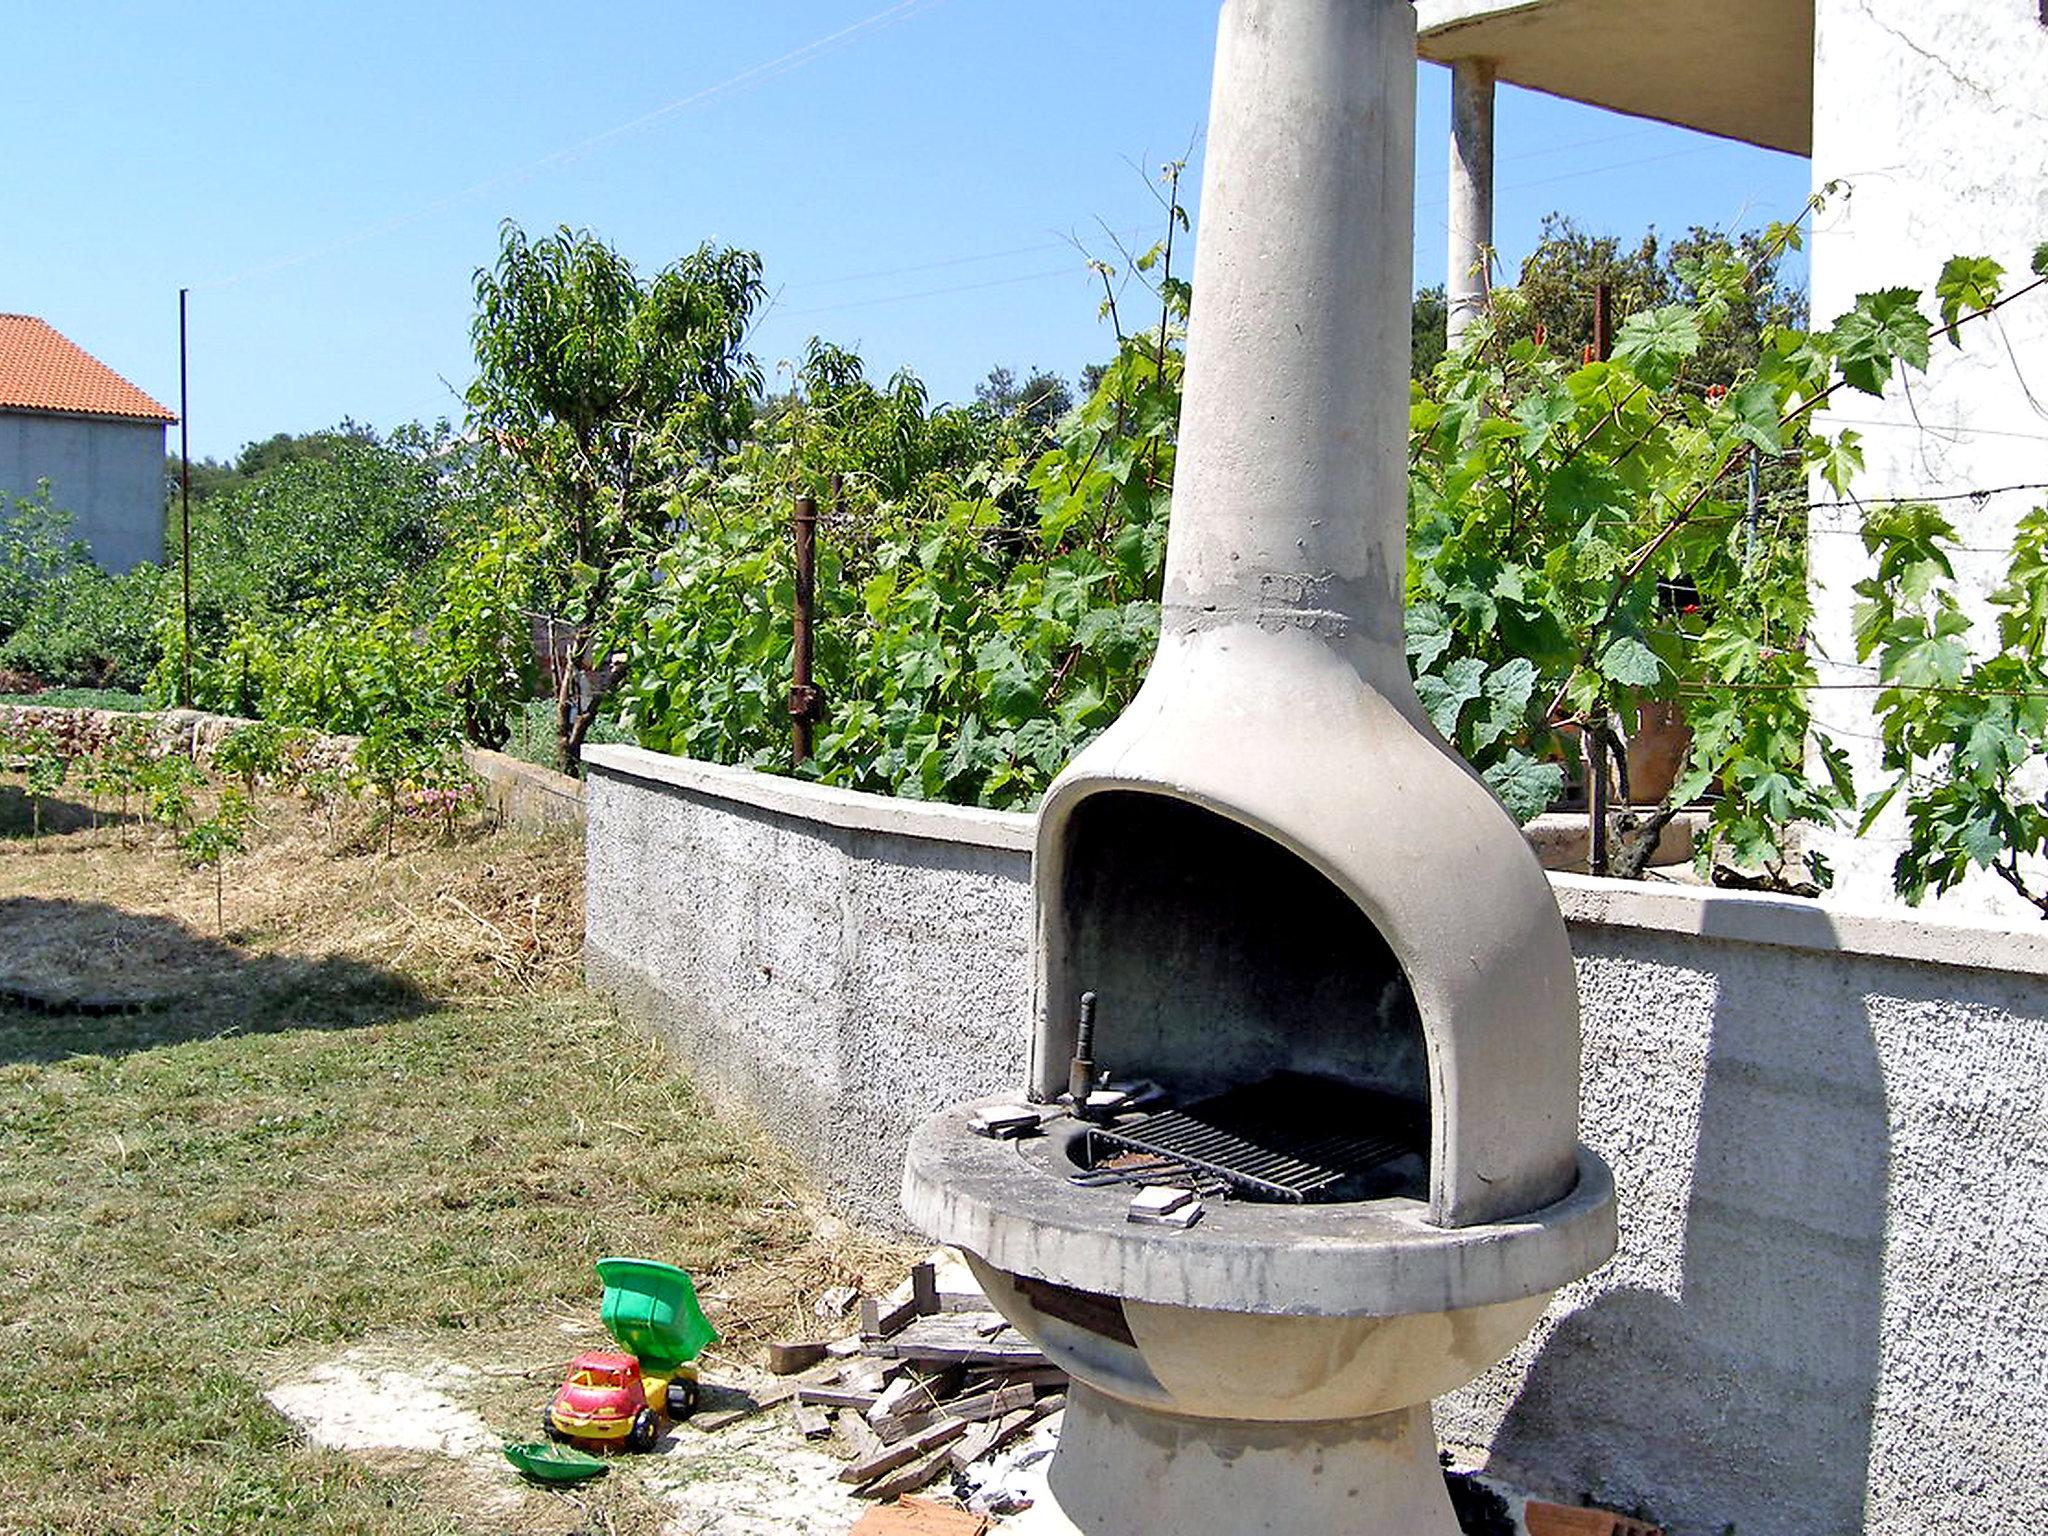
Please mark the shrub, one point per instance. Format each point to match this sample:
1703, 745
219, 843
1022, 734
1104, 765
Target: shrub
87, 629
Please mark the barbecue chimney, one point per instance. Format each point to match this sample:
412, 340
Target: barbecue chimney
1305, 922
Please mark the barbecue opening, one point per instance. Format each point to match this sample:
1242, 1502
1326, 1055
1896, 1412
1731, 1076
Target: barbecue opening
1225, 963
1289, 1138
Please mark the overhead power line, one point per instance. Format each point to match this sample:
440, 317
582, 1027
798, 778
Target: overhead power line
1080, 261
746, 79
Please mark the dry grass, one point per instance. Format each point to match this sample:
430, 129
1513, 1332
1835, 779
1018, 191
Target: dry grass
468, 916
378, 1113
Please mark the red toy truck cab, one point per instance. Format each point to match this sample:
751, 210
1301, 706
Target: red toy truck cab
603, 1403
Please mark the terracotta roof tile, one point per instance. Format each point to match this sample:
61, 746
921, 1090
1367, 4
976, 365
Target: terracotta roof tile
41, 371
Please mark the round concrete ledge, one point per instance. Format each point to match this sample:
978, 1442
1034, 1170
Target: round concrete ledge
1010, 1203
848, 809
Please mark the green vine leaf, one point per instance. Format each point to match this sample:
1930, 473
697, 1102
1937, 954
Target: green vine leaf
1655, 345
1884, 329
1626, 660
1966, 283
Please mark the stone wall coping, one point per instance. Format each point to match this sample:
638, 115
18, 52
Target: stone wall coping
1790, 922
1740, 917
849, 809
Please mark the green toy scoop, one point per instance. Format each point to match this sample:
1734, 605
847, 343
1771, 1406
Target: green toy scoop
548, 1463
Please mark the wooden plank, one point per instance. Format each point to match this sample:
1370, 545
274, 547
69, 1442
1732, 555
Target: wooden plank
924, 1288
837, 1397
878, 1322
890, 1457
788, 1359
1000, 1375
915, 1409
919, 1517
907, 1394
864, 1441
728, 1411
992, 1405
909, 1480
957, 1336
870, 1375
811, 1423
985, 1438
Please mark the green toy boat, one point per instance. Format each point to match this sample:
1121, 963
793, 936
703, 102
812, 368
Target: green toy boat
548, 1463
651, 1309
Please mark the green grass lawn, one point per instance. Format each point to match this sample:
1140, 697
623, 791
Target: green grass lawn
343, 1128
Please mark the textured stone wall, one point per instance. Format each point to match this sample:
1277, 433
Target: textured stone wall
1829, 1312
837, 981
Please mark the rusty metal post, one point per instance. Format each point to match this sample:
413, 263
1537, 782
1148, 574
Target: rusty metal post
1603, 322
1594, 735
803, 695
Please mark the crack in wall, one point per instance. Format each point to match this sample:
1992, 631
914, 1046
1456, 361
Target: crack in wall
1941, 62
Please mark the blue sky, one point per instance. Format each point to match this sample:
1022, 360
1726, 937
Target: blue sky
326, 178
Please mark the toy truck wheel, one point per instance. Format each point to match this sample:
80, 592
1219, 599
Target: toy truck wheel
646, 1430
682, 1399
547, 1424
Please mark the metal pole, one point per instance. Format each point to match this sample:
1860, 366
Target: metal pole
184, 509
802, 696
1595, 737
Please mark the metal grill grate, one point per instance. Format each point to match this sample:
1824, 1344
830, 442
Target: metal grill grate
1289, 1137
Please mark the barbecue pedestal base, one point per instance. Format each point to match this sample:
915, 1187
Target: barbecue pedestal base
1127, 1471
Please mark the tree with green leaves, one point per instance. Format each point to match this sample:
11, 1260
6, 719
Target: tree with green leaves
1964, 726
208, 842
210, 477
1553, 298
967, 650
36, 546
1036, 401
1429, 331
605, 389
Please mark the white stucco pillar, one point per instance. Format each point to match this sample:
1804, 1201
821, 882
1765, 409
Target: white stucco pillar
1471, 244
1931, 112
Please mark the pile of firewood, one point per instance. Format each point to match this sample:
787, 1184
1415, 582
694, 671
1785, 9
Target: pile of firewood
933, 1383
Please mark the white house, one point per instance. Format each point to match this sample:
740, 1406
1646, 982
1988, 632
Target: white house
68, 418
1932, 114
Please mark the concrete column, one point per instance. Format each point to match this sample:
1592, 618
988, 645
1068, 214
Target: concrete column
1471, 246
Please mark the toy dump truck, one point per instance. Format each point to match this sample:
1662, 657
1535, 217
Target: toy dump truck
615, 1400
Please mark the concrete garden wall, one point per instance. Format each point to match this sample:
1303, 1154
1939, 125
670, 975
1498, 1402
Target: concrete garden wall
1830, 1308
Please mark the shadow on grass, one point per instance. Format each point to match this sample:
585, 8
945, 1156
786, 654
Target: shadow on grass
59, 815
86, 978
